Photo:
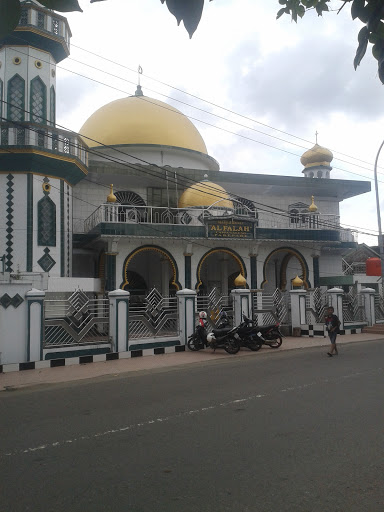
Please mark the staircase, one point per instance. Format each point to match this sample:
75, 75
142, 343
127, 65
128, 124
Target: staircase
375, 329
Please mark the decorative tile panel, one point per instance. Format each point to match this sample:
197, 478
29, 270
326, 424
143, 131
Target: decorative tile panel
46, 262
14, 301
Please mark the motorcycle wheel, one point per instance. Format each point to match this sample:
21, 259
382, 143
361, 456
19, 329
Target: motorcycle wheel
193, 343
232, 346
276, 343
254, 345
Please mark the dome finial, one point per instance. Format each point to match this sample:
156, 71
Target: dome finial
139, 91
240, 281
312, 208
111, 198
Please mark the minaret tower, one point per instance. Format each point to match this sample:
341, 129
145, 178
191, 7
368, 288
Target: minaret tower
39, 163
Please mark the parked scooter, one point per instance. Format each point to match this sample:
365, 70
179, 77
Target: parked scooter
249, 335
222, 337
269, 334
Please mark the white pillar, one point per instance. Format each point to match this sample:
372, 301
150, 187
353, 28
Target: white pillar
369, 305
186, 305
119, 320
35, 325
336, 301
224, 276
297, 308
242, 304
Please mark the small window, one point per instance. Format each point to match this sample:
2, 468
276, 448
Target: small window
16, 98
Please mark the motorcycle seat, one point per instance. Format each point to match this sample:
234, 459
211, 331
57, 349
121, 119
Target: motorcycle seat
221, 332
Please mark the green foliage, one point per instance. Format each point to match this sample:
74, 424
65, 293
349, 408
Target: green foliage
188, 11
369, 12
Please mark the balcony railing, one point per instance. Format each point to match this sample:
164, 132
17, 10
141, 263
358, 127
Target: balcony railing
116, 213
45, 21
25, 134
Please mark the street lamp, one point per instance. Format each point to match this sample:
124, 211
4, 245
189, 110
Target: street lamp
381, 248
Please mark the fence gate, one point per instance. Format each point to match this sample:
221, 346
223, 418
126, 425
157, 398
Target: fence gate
153, 316
76, 320
269, 308
214, 303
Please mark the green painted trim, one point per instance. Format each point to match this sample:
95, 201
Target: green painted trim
43, 217
48, 164
110, 272
32, 36
29, 222
326, 235
76, 353
188, 271
152, 230
9, 92
316, 271
193, 299
43, 116
30, 302
62, 229
253, 265
143, 346
126, 341
336, 280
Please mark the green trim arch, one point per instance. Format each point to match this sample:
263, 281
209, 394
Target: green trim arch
283, 269
234, 255
175, 272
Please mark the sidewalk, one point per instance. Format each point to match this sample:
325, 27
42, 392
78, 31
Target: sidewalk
21, 379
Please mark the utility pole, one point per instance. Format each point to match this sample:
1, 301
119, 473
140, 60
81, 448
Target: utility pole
381, 247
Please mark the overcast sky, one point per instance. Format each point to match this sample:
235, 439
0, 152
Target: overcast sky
298, 79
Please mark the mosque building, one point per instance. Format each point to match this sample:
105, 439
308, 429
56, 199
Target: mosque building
137, 201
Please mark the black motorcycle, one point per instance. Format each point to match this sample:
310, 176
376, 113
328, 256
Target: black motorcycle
221, 337
249, 336
271, 335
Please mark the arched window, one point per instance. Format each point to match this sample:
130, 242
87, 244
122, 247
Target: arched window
16, 98
311, 174
46, 218
294, 216
319, 174
53, 106
38, 101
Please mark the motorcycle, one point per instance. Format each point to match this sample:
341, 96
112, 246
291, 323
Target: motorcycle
249, 335
221, 337
269, 334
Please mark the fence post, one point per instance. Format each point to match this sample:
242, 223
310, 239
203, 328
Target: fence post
297, 308
242, 304
336, 301
119, 320
369, 305
35, 325
186, 306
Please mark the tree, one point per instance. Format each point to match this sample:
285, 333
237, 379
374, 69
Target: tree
369, 12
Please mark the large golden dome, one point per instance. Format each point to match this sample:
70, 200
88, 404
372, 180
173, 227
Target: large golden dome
141, 120
205, 194
317, 156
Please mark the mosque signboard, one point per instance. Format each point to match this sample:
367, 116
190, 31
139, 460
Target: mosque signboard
230, 228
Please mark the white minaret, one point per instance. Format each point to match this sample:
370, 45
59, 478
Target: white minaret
39, 163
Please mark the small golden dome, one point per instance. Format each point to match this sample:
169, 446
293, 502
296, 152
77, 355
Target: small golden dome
111, 198
297, 282
141, 120
205, 194
240, 281
312, 208
317, 156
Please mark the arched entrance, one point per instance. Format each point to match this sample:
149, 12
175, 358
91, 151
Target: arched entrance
281, 266
219, 268
150, 267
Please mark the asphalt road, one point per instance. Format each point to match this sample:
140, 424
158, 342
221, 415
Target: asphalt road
279, 431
